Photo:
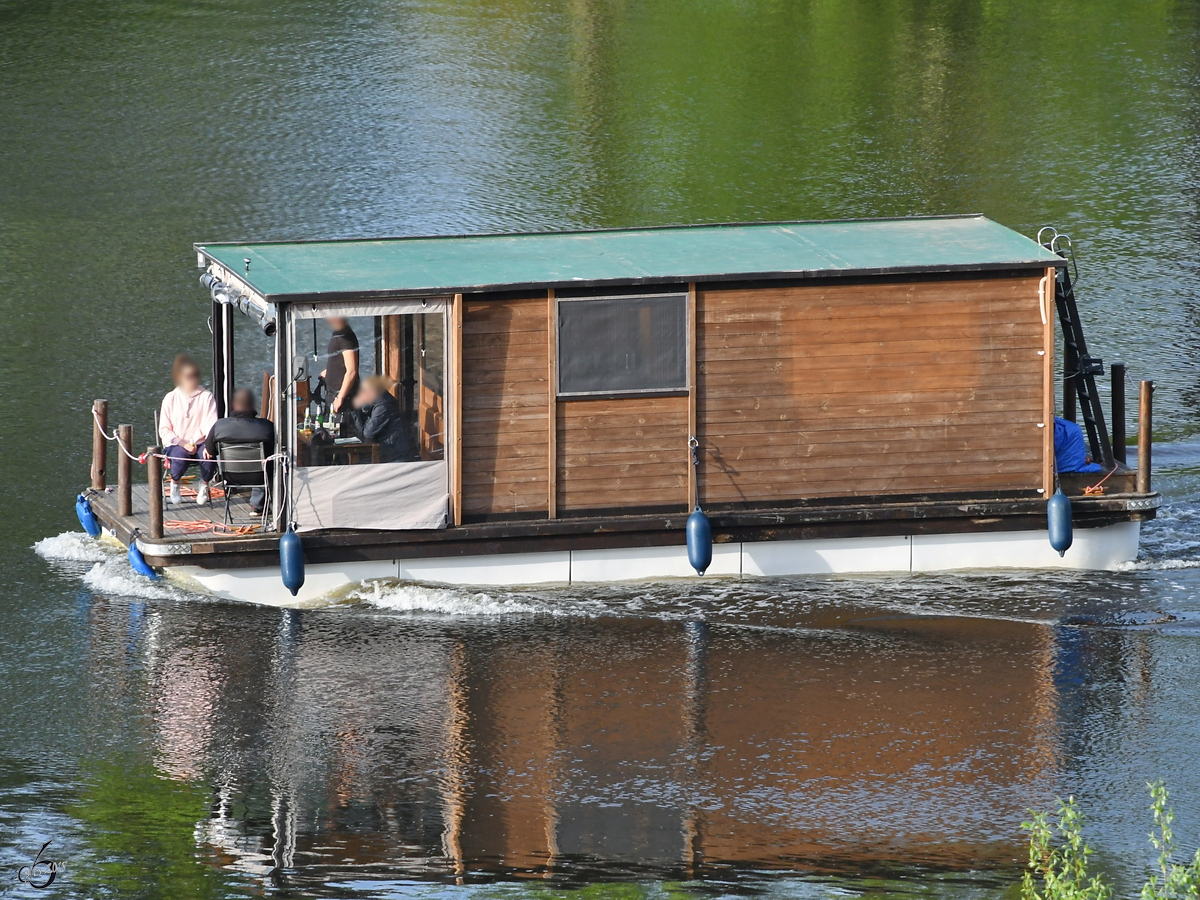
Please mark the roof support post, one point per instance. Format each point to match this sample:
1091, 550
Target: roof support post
1046, 304
222, 360
284, 409
693, 487
456, 408
552, 393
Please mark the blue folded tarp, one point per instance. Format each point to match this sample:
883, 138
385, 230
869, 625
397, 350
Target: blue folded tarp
1070, 452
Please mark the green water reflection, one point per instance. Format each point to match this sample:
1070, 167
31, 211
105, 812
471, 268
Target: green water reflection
130, 129
139, 835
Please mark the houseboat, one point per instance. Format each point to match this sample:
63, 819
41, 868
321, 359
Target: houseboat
835, 397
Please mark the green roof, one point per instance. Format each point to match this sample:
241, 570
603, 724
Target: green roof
315, 270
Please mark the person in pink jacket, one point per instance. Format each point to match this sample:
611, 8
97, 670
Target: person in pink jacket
187, 414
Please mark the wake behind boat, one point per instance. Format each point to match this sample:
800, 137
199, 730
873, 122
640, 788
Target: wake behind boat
737, 400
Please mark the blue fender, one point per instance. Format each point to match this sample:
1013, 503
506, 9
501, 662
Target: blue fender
87, 518
291, 561
138, 562
1058, 521
699, 541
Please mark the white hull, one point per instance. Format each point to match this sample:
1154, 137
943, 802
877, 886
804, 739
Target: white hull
1093, 548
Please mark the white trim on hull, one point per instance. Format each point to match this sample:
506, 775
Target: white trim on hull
1094, 548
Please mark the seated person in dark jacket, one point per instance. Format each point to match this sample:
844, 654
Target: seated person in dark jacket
243, 426
377, 418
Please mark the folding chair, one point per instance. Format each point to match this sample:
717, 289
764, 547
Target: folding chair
241, 464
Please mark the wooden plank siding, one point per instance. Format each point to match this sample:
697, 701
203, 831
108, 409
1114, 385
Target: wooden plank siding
628, 454
848, 390
505, 419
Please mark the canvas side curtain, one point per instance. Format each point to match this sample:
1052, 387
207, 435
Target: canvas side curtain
398, 496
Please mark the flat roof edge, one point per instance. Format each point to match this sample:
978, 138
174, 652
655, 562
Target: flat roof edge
200, 245
802, 275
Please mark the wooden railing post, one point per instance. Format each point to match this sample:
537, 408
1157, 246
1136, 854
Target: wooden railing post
99, 445
1145, 434
124, 471
1118, 411
154, 474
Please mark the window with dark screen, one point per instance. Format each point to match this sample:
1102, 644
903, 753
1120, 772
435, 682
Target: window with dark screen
622, 345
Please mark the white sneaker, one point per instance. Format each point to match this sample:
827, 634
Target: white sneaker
202, 495
174, 497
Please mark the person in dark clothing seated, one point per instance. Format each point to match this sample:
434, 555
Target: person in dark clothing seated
243, 426
377, 418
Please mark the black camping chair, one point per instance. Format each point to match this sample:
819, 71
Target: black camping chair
242, 465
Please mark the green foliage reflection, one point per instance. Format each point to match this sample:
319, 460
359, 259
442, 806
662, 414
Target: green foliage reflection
139, 828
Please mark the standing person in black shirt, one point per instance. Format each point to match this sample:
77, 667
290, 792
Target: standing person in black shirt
341, 369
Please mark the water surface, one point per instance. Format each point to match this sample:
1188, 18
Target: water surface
797, 737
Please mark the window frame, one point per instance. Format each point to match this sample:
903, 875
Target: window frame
683, 389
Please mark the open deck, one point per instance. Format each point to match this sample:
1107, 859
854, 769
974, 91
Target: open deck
182, 522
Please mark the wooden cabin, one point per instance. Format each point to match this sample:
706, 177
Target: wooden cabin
837, 396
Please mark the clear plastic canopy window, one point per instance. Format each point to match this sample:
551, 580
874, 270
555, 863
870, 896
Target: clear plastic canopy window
370, 424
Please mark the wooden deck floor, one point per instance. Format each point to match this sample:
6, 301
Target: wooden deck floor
174, 517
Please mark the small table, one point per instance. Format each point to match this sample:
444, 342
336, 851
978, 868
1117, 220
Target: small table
332, 453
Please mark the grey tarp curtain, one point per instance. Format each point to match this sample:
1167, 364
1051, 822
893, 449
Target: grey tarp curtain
388, 496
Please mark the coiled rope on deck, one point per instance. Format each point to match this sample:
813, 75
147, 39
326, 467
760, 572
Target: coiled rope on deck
1098, 487
200, 526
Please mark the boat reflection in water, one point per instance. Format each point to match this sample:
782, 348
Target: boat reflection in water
359, 742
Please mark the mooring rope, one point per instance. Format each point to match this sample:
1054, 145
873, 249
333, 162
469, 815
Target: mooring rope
140, 458
1098, 488
200, 526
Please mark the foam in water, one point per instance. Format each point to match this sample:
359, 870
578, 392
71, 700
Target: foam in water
419, 598
115, 577
1141, 565
73, 546
103, 567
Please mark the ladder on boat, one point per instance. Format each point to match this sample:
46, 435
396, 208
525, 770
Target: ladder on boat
1079, 367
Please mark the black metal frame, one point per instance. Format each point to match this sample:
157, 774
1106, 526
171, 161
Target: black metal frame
1080, 370
222, 355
